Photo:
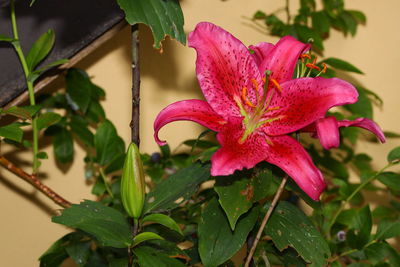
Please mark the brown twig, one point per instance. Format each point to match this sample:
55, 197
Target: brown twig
265, 220
135, 86
32, 179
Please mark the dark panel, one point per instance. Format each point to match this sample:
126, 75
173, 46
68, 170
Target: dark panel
76, 24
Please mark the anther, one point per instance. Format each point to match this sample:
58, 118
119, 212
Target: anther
313, 66
277, 85
255, 85
303, 56
324, 67
273, 108
245, 99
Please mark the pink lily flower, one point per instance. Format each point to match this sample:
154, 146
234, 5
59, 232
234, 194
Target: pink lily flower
253, 104
327, 130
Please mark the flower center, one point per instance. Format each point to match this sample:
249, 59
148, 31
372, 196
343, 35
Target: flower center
254, 112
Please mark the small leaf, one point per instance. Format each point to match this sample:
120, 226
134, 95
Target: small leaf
79, 252
6, 38
217, 242
387, 229
304, 34
42, 155
289, 226
79, 89
390, 179
394, 155
40, 49
108, 144
178, 187
341, 65
358, 15
382, 252
79, 127
47, 119
18, 112
163, 17
108, 225
63, 146
144, 237
163, 220
320, 22
150, 257
12, 131
32, 109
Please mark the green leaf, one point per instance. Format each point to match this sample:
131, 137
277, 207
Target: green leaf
362, 223
289, 226
304, 34
108, 225
390, 179
63, 146
55, 63
56, 254
217, 242
42, 155
12, 131
320, 22
363, 107
18, 112
32, 109
6, 38
394, 155
47, 119
163, 220
381, 252
358, 15
341, 65
163, 17
40, 49
79, 127
178, 187
79, 89
387, 229
144, 236
150, 257
237, 194
79, 252
108, 144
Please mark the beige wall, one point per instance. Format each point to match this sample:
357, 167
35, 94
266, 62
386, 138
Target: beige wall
25, 227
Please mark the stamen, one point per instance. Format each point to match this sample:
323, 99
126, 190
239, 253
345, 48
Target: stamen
245, 99
314, 60
269, 142
313, 66
324, 67
273, 108
303, 56
277, 85
255, 85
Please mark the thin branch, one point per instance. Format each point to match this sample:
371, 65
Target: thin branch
265, 220
135, 86
288, 12
32, 179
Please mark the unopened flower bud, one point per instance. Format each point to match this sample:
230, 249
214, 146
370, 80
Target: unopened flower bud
132, 183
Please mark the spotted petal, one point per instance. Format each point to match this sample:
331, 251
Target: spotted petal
283, 151
282, 59
192, 110
305, 100
260, 52
224, 66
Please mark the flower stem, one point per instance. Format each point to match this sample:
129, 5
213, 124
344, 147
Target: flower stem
32, 179
17, 46
287, 12
265, 220
361, 186
135, 86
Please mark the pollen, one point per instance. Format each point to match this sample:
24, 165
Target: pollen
324, 68
277, 85
313, 66
303, 56
273, 108
245, 99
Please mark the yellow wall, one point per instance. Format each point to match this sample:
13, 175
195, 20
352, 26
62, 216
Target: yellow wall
25, 227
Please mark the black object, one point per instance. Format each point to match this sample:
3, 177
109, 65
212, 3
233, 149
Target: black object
76, 24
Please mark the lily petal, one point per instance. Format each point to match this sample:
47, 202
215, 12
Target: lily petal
286, 153
282, 59
224, 66
192, 110
260, 52
305, 100
365, 124
328, 132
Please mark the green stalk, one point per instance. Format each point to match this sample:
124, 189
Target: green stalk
361, 186
17, 46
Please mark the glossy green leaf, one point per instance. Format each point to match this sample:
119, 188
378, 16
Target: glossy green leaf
108, 225
79, 127
163, 220
289, 226
177, 188
18, 112
387, 229
237, 194
341, 65
108, 144
12, 131
47, 119
79, 252
150, 257
79, 89
217, 242
40, 49
163, 17
5, 38
390, 179
394, 155
144, 236
63, 146
32, 109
